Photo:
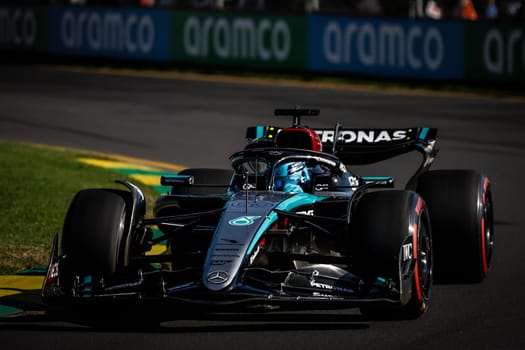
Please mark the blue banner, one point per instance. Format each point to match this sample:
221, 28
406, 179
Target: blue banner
381, 47
109, 32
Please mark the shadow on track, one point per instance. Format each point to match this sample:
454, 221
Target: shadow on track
178, 320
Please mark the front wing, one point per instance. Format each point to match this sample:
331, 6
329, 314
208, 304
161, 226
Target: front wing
315, 286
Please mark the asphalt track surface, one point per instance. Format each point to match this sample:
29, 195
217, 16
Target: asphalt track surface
198, 123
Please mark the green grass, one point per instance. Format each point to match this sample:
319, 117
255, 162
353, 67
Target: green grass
36, 186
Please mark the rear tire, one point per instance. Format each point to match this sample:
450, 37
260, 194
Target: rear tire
460, 206
93, 236
385, 222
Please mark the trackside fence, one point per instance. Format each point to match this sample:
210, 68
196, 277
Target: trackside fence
380, 47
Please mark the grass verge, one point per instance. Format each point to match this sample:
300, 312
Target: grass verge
36, 186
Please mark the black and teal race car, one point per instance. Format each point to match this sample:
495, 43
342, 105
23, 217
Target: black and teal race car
290, 225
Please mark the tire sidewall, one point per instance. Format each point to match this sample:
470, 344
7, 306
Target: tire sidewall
386, 243
94, 234
460, 208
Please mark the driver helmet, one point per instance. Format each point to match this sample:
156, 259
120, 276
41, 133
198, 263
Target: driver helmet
292, 177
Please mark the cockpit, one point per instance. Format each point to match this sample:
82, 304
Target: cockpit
290, 161
289, 171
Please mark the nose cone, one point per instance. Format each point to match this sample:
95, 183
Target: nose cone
229, 247
235, 237
217, 280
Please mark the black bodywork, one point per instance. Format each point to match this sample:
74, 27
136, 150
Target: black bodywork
244, 242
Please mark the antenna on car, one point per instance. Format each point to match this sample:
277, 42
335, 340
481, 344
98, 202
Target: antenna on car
297, 113
337, 128
246, 188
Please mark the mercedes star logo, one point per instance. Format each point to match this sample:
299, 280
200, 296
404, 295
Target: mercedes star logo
217, 277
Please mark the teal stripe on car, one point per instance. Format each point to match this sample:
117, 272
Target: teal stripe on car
259, 132
423, 133
376, 178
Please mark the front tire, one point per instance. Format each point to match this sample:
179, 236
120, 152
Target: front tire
93, 236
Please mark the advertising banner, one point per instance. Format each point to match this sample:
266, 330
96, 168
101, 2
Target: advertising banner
239, 40
383, 47
23, 28
495, 51
109, 32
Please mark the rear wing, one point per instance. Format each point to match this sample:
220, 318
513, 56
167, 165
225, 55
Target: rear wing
364, 146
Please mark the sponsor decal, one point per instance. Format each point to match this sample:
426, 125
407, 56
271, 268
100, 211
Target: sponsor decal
239, 37
495, 51
115, 32
407, 251
220, 262
315, 284
306, 212
217, 277
321, 187
363, 136
18, 27
386, 45
248, 187
243, 220
500, 50
239, 40
326, 286
354, 181
254, 254
109, 30
258, 204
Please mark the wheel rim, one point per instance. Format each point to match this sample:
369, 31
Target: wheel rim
424, 261
487, 227
121, 252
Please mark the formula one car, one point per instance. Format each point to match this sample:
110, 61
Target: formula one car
289, 226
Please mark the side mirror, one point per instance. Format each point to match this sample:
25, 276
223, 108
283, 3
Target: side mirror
377, 181
176, 180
